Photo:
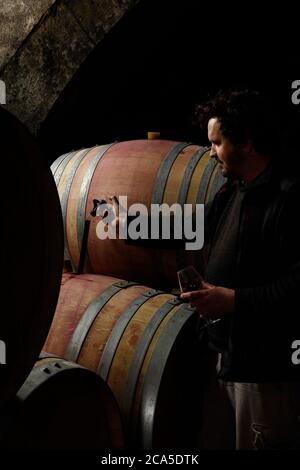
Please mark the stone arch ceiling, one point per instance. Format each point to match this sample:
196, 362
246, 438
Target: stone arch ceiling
42, 45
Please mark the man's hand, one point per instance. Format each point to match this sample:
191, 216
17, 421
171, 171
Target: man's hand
211, 301
119, 212
108, 210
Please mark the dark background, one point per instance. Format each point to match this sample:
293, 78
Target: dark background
165, 56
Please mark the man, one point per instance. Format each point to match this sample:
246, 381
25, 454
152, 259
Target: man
252, 274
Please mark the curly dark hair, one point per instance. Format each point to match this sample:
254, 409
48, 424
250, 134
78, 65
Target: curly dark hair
243, 115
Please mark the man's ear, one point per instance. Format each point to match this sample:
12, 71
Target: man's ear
247, 146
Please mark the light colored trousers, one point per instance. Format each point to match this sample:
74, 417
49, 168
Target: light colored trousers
250, 415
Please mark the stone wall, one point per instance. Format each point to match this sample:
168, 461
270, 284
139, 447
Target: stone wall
55, 38
17, 19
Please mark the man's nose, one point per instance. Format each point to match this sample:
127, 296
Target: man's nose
213, 152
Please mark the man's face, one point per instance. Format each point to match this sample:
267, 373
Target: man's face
231, 158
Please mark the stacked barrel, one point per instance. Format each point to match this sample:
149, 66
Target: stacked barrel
146, 172
63, 406
32, 262
31, 253
115, 314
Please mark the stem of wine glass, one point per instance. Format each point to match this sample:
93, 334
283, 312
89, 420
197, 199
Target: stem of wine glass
211, 322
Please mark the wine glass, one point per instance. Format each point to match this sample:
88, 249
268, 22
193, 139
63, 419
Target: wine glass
190, 279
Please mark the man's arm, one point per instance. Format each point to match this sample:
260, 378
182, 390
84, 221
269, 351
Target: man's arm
266, 299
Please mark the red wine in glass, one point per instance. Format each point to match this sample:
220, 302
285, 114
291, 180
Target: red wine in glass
189, 280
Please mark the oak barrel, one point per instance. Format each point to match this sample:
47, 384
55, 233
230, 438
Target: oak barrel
63, 406
31, 253
142, 342
146, 171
